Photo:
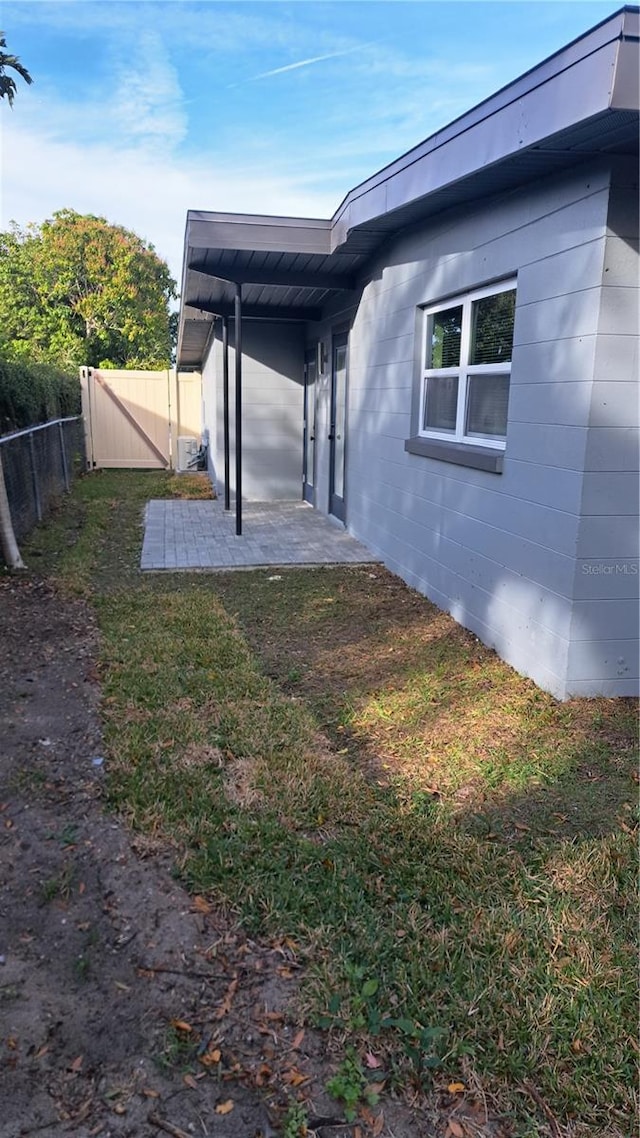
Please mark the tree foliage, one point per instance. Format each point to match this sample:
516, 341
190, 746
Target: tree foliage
35, 393
78, 290
7, 82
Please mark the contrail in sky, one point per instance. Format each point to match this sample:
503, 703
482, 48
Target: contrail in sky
306, 62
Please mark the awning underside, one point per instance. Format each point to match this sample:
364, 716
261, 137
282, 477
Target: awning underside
276, 285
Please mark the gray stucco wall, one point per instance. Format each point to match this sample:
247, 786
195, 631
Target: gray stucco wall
500, 551
272, 401
603, 652
209, 407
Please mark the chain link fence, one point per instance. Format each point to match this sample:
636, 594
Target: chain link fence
39, 465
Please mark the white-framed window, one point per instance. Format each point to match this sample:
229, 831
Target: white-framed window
467, 365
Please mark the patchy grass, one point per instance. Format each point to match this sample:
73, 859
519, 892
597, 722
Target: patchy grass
189, 486
93, 537
338, 762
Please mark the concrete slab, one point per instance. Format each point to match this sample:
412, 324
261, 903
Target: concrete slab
200, 535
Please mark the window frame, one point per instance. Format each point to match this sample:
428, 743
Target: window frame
464, 371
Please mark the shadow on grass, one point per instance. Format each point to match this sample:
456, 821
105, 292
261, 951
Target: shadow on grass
427, 709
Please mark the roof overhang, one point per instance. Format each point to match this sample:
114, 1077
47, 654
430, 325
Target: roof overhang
582, 101
285, 265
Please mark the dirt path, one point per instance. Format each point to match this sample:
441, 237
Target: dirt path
125, 1004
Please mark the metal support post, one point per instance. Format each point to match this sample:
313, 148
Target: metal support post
63, 453
238, 340
34, 477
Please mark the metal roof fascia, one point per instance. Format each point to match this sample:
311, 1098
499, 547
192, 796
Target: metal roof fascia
625, 89
251, 231
530, 91
183, 289
594, 38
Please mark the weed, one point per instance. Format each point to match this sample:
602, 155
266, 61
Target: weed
176, 1051
349, 1086
59, 886
295, 1120
82, 966
50, 889
359, 1010
68, 836
28, 780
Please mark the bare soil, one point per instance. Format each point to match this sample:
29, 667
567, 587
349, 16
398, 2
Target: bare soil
127, 1007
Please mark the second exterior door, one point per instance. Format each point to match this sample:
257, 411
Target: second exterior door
309, 431
338, 424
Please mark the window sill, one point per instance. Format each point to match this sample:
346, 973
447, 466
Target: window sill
463, 454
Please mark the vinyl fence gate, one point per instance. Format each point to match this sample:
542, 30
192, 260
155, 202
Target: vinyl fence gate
135, 419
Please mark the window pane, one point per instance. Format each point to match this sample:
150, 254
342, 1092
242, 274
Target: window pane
441, 403
492, 328
487, 403
446, 328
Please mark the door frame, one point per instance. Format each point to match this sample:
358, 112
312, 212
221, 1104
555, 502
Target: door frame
337, 504
309, 433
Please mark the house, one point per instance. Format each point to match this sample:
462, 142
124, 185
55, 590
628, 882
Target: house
449, 365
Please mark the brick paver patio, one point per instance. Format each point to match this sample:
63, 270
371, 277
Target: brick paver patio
200, 535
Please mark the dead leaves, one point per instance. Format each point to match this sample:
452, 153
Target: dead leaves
225, 1107
285, 971
294, 1078
210, 1058
224, 1007
374, 1122
200, 905
263, 1075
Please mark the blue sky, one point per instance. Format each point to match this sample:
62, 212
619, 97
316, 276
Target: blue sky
140, 111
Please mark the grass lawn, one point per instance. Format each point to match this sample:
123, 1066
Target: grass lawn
453, 851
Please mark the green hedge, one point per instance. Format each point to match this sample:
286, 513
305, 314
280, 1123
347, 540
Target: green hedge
35, 393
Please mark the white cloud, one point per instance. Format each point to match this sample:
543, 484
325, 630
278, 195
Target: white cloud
145, 191
148, 100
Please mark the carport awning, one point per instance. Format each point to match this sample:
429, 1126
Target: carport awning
285, 266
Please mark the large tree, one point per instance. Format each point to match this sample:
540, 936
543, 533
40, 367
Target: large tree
77, 290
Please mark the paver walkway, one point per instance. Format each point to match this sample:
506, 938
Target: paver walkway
200, 535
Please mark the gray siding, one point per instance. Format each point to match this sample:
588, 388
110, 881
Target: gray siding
209, 410
272, 400
499, 551
603, 656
